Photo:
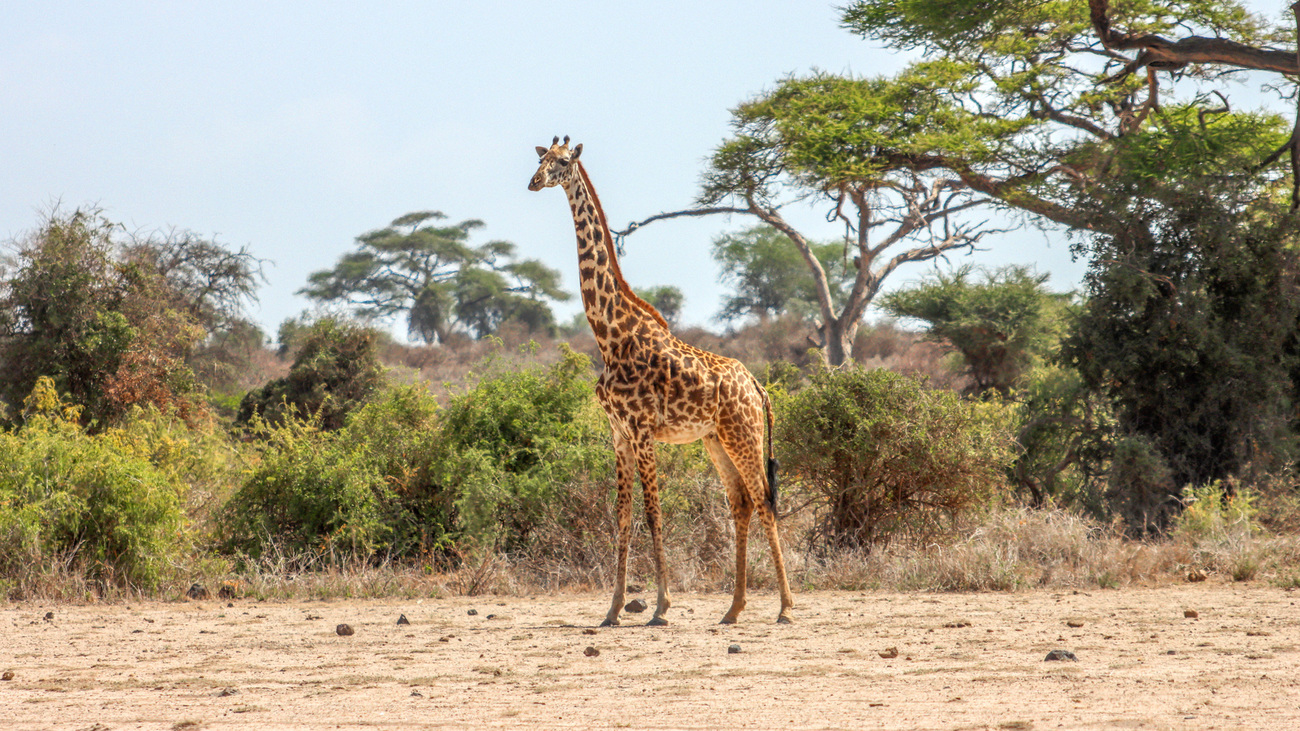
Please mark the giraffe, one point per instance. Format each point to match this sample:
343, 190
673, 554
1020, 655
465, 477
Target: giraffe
656, 387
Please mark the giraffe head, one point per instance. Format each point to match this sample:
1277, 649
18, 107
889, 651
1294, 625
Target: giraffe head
554, 166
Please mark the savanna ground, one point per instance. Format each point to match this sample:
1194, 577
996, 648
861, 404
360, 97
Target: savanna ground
964, 661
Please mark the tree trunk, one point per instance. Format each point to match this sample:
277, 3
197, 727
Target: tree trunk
837, 341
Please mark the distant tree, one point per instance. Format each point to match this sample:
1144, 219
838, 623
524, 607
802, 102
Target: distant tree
769, 277
667, 299
442, 282
1001, 326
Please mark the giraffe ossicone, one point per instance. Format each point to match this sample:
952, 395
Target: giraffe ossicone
655, 387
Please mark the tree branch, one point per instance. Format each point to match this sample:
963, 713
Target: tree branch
693, 212
1161, 53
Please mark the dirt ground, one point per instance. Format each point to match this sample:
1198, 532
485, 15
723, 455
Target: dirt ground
964, 661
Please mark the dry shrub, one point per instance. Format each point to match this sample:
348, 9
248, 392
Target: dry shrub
1008, 549
880, 456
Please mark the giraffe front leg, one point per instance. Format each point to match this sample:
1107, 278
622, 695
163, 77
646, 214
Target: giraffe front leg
645, 460
625, 465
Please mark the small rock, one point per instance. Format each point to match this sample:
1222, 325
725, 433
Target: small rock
401, 619
345, 630
1196, 575
7, 675
472, 612
417, 694
957, 625
1060, 655
889, 653
591, 651
589, 631
733, 649
49, 616
226, 692
636, 606
197, 592
1258, 633
1073, 623
230, 605
1190, 613
444, 639
1172, 652
635, 588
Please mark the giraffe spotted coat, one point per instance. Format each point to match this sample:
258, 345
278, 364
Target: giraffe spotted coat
655, 387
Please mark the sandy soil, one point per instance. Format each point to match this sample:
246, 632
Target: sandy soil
965, 661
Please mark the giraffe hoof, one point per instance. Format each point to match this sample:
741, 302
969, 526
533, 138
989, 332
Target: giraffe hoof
783, 619
728, 620
657, 622
609, 623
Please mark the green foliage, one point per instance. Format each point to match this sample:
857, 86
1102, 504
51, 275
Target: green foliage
336, 369
881, 455
512, 444
832, 133
115, 322
313, 493
769, 277
1191, 334
363, 490
79, 501
405, 478
1002, 326
102, 328
1062, 436
443, 282
1213, 514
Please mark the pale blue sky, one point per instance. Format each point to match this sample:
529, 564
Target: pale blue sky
293, 127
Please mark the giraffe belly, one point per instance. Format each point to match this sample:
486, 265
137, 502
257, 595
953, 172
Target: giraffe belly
682, 433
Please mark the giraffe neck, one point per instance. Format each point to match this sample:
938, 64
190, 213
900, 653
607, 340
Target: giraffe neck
613, 310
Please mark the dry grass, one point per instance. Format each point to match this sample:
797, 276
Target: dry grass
1007, 549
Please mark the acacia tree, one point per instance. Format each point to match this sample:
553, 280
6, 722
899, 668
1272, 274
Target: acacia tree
1002, 326
860, 146
439, 279
1129, 139
1053, 70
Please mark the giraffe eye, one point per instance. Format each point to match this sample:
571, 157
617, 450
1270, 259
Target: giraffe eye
563, 163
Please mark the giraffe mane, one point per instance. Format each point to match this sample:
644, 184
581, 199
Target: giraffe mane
608, 241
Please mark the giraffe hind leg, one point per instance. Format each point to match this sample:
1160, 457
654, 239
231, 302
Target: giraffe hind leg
742, 509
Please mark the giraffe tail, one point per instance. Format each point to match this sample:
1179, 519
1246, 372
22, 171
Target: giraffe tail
773, 480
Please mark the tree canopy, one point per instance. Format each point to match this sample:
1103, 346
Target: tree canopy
443, 282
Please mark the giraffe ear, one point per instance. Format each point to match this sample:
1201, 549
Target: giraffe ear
541, 151
576, 151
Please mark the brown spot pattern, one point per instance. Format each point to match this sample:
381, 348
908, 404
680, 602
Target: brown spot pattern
656, 387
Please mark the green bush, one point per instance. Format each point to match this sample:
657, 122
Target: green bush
335, 371
358, 491
313, 492
77, 502
880, 455
512, 444
406, 478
